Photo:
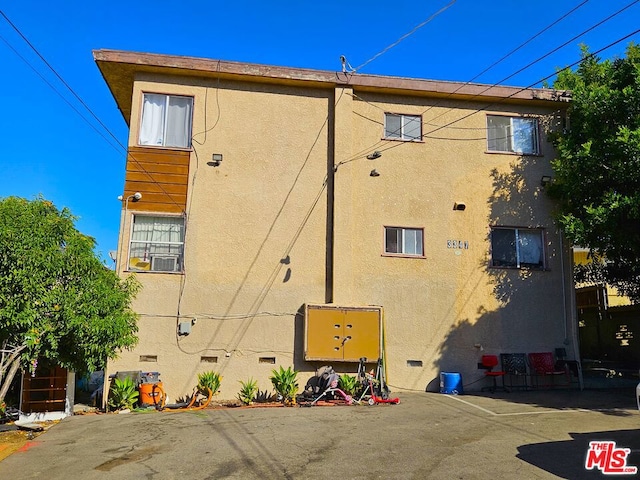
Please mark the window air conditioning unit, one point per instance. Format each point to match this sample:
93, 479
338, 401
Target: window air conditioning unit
164, 264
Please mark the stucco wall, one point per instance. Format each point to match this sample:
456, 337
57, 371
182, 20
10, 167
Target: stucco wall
256, 241
439, 308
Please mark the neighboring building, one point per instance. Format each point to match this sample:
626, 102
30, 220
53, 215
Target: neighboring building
608, 326
611, 297
401, 215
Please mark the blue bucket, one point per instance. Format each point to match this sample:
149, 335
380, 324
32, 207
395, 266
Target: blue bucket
451, 383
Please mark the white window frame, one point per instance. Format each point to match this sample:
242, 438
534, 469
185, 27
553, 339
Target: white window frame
522, 248
145, 254
405, 131
508, 134
409, 242
167, 122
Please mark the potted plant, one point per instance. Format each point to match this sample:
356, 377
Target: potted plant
285, 383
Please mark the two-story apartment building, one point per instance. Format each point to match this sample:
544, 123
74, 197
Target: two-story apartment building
301, 217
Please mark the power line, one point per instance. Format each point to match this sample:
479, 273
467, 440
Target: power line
527, 42
415, 29
591, 55
368, 150
26, 40
57, 92
544, 56
379, 142
52, 69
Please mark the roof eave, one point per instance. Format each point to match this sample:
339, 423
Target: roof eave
119, 68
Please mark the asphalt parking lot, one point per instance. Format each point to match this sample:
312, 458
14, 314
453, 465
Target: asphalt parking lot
518, 435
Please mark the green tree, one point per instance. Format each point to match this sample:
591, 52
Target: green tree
58, 302
597, 170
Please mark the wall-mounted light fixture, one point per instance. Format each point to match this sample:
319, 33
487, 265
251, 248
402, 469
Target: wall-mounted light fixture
459, 206
545, 180
135, 197
374, 155
216, 159
374, 173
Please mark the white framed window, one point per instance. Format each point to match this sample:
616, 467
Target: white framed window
517, 247
403, 241
166, 120
402, 127
157, 244
512, 134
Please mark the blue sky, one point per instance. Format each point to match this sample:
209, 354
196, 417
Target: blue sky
48, 149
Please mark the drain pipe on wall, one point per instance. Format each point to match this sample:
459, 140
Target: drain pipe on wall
572, 307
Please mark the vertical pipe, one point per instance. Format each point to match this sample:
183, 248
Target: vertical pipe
331, 153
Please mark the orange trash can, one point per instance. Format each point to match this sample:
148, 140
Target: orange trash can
150, 394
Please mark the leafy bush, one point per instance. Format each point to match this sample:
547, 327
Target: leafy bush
348, 384
123, 394
211, 380
248, 391
285, 383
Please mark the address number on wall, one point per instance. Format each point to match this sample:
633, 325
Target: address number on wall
460, 244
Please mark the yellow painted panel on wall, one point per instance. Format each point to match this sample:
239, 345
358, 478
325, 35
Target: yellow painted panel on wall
362, 335
342, 333
324, 334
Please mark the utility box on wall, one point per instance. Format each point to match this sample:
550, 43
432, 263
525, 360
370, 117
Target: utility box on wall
342, 334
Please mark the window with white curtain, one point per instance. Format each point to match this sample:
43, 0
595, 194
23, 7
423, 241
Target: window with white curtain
402, 127
166, 120
517, 247
157, 244
512, 134
404, 241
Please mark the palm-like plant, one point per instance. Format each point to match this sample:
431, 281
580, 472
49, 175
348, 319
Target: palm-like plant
285, 383
248, 391
209, 380
123, 394
348, 384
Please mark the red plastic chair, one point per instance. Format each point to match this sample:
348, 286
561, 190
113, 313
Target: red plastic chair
542, 366
489, 362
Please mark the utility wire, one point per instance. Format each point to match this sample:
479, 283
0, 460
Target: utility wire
379, 142
52, 69
58, 93
543, 56
591, 55
415, 29
526, 42
357, 156
44, 60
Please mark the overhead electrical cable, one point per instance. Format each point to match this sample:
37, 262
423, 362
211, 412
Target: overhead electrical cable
591, 55
555, 22
375, 146
52, 69
552, 51
406, 35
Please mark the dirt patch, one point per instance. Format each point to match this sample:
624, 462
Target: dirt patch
13, 441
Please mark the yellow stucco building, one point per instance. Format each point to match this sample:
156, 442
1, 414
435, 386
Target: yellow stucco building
297, 217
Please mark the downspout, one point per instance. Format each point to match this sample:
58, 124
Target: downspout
572, 307
329, 238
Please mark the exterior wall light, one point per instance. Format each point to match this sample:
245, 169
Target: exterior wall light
216, 159
459, 206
